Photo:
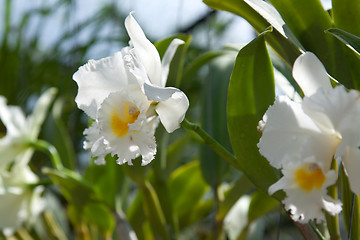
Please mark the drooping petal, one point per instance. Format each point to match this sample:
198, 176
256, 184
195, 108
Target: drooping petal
97, 79
167, 58
172, 111
145, 50
40, 111
310, 74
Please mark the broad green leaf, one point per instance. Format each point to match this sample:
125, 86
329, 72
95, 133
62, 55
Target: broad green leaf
261, 203
346, 15
153, 212
136, 216
307, 19
107, 181
240, 187
350, 40
261, 16
72, 186
346, 197
98, 214
187, 187
251, 91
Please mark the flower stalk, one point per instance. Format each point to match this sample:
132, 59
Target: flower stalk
211, 142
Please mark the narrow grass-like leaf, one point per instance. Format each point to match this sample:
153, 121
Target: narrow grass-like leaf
350, 40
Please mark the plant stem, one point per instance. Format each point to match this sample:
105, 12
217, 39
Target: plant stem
211, 142
333, 221
46, 147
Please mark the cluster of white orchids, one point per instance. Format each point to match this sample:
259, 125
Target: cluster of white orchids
125, 95
302, 138
20, 192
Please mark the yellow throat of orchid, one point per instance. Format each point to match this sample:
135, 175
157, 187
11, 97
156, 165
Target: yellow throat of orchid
120, 120
309, 177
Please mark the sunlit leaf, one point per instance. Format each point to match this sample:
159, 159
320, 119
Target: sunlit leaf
346, 15
251, 92
350, 40
261, 16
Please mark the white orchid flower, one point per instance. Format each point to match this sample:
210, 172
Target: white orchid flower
326, 124
305, 184
125, 94
21, 203
22, 130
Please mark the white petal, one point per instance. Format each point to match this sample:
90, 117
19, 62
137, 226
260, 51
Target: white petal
172, 111
40, 111
96, 143
145, 50
287, 129
168, 56
310, 74
351, 161
13, 118
159, 94
97, 79
328, 109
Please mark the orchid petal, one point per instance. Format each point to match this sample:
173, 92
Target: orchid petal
145, 50
167, 58
97, 79
310, 74
13, 118
172, 111
351, 161
286, 130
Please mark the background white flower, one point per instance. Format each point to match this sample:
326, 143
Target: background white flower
22, 130
124, 94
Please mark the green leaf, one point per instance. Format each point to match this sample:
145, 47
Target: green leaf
187, 187
346, 15
101, 216
261, 203
214, 118
153, 212
350, 40
240, 187
261, 16
307, 19
99, 176
72, 186
251, 91
346, 197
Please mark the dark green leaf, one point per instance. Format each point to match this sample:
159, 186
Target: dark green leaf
281, 40
346, 15
350, 40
